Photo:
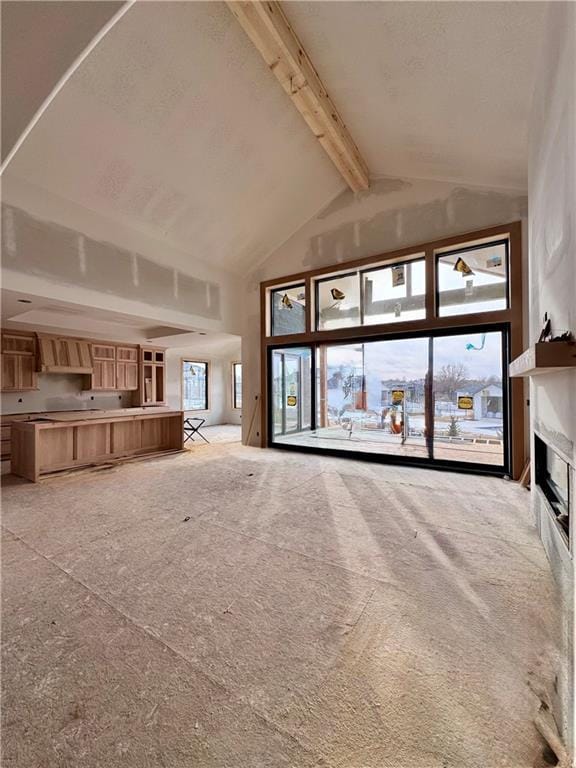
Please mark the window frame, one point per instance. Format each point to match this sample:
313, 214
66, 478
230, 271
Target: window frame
468, 467
376, 268
330, 278
513, 315
286, 287
438, 254
207, 388
235, 406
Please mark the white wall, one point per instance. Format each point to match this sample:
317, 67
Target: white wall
220, 405
552, 243
393, 214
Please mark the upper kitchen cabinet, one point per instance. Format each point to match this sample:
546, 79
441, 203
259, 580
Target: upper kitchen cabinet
18, 352
152, 376
115, 367
127, 368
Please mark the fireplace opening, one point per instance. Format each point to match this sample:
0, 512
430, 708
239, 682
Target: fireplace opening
553, 477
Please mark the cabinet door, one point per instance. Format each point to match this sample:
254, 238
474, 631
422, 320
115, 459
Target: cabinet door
27, 372
18, 373
126, 376
121, 376
103, 351
10, 373
131, 375
104, 374
20, 343
127, 354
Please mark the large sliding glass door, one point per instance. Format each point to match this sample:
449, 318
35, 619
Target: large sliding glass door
438, 398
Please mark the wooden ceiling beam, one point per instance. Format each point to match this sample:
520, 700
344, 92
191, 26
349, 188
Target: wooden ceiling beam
270, 32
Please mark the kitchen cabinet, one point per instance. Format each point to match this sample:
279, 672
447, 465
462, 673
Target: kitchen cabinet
127, 368
103, 375
115, 368
152, 376
53, 443
18, 353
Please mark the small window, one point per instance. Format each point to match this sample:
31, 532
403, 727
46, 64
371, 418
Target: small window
237, 385
473, 279
288, 310
194, 386
338, 302
395, 294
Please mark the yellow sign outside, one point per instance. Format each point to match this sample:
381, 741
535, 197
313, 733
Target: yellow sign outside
397, 396
291, 400
465, 402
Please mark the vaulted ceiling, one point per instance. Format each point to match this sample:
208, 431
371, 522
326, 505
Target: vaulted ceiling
174, 126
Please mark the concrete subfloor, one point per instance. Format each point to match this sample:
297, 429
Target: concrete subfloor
311, 611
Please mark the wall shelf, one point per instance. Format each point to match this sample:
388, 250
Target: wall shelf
545, 357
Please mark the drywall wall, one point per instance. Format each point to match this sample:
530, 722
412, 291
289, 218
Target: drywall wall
220, 406
62, 392
107, 264
393, 214
552, 247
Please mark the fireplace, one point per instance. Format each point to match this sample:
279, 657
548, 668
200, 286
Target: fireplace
553, 477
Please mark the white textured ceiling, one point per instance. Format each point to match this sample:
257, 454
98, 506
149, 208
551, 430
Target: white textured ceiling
40, 40
174, 126
431, 89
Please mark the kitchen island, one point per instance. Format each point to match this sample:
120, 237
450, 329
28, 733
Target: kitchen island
55, 442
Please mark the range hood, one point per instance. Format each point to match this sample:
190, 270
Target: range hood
59, 354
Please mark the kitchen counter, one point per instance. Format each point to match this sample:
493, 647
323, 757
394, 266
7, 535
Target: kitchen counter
7, 420
116, 413
51, 443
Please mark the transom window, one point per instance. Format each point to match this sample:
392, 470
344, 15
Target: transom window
473, 279
288, 310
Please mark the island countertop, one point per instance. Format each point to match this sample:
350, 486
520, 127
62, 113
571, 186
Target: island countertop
115, 413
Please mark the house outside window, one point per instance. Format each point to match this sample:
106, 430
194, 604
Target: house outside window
194, 385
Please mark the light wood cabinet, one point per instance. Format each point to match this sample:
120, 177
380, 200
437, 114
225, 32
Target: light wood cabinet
103, 375
64, 355
127, 368
115, 368
152, 376
18, 353
127, 376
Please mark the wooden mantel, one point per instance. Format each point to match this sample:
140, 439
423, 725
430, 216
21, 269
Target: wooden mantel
545, 357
